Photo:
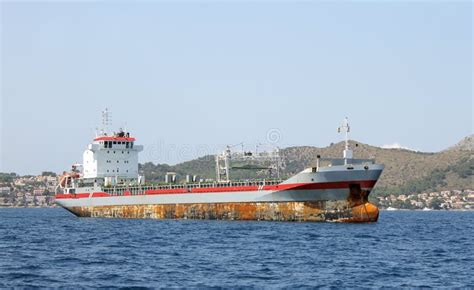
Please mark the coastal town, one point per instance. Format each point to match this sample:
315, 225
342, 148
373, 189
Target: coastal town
27, 191
38, 191
442, 200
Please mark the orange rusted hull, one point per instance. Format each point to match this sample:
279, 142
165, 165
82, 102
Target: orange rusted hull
339, 211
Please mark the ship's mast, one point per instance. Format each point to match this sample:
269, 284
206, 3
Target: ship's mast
106, 122
346, 129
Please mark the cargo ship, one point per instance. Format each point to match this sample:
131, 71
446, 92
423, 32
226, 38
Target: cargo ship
108, 185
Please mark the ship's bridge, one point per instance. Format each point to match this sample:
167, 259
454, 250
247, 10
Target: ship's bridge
115, 142
112, 156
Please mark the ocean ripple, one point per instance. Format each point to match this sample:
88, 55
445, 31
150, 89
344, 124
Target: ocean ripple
52, 248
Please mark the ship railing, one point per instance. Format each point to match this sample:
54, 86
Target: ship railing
141, 189
362, 161
353, 161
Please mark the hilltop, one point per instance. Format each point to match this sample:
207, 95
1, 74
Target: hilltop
405, 171
465, 144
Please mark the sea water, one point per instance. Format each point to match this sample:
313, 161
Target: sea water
53, 248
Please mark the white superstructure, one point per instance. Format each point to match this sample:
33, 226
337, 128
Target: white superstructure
111, 158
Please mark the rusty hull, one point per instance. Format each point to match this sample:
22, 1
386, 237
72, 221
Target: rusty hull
341, 211
356, 208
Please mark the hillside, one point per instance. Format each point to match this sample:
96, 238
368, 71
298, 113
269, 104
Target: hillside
405, 171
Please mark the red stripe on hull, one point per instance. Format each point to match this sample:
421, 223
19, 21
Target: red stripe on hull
279, 187
327, 185
167, 191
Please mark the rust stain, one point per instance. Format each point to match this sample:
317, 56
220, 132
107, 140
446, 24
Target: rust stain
340, 211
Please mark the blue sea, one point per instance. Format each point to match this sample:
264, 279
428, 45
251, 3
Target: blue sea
52, 248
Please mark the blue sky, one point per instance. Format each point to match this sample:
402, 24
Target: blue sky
188, 77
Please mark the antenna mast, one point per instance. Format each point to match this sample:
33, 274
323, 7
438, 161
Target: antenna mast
106, 121
346, 129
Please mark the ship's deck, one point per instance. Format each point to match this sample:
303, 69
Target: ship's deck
137, 190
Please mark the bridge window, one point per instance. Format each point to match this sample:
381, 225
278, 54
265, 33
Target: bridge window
126, 144
115, 142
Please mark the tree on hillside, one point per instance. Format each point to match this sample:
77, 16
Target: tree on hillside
436, 203
7, 177
48, 173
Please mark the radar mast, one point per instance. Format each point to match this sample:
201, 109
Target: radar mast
346, 129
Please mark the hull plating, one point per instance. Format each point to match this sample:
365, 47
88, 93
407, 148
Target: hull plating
342, 211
